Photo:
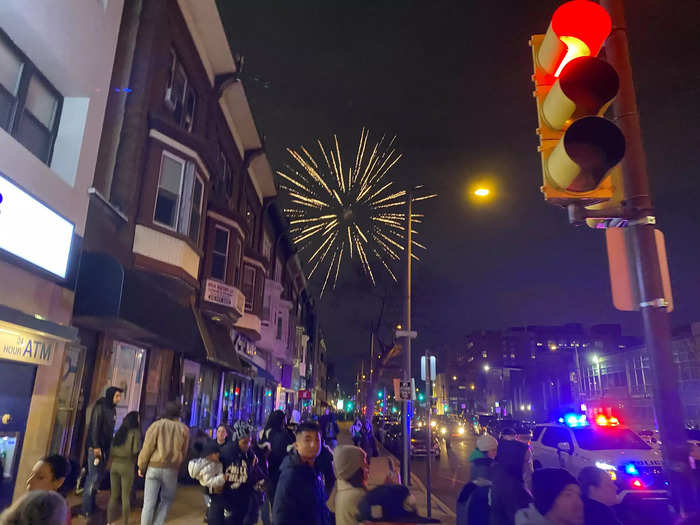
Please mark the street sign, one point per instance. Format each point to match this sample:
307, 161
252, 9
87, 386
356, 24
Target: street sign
407, 333
623, 271
432, 368
404, 390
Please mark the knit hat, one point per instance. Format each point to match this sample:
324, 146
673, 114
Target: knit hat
210, 447
240, 430
547, 484
486, 442
347, 460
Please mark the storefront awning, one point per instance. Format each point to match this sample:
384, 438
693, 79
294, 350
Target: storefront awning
218, 344
36, 324
264, 374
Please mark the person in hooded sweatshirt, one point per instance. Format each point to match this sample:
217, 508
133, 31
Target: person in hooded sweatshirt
512, 467
279, 438
300, 497
473, 500
599, 496
557, 500
99, 440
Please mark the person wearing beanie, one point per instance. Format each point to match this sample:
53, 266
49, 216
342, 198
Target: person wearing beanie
351, 472
99, 438
508, 474
486, 446
557, 500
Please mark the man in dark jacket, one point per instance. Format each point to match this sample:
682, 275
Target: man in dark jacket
300, 496
599, 495
279, 438
508, 492
99, 439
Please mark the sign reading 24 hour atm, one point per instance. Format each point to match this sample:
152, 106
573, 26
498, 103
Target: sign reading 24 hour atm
26, 348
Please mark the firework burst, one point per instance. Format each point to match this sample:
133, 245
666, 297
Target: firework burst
340, 211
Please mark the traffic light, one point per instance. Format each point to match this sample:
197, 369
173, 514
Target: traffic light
421, 396
380, 394
573, 89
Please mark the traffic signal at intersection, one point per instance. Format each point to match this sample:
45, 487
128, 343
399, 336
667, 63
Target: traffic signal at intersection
573, 88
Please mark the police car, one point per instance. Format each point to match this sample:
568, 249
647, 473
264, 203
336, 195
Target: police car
574, 443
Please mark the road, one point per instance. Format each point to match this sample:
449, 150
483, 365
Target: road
450, 473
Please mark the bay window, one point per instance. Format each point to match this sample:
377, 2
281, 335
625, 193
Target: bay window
179, 196
219, 259
249, 287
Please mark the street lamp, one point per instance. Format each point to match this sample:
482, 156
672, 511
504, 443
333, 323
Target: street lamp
482, 192
486, 367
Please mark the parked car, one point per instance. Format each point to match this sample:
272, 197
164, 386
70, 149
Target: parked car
419, 437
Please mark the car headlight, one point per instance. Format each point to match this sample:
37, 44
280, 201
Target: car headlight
460, 430
433, 424
443, 431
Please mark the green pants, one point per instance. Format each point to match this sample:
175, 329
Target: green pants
121, 477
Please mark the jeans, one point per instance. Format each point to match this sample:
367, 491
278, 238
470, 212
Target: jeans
93, 481
163, 482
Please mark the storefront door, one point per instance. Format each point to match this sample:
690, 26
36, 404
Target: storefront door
67, 399
126, 372
190, 392
17, 382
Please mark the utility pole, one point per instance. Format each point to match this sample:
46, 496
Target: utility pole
657, 331
406, 417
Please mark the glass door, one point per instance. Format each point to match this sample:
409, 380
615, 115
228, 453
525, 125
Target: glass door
126, 372
67, 400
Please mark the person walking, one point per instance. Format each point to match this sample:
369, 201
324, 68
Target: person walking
329, 428
39, 507
99, 439
279, 438
209, 471
599, 496
368, 443
241, 476
300, 496
124, 453
473, 501
356, 432
557, 500
164, 449
508, 493
351, 470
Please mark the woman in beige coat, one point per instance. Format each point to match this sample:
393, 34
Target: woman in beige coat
351, 471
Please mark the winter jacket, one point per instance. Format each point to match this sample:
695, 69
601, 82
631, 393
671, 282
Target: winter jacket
476, 454
345, 501
597, 513
473, 503
508, 493
531, 516
128, 451
279, 440
102, 421
241, 473
324, 466
165, 445
300, 498
210, 474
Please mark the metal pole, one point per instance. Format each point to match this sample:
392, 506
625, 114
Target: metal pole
406, 423
657, 331
429, 444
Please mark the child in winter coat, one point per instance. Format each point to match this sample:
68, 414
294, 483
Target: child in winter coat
209, 471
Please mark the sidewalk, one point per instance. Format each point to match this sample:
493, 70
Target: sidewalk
379, 468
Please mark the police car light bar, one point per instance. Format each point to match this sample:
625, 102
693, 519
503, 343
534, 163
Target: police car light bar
574, 420
602, 421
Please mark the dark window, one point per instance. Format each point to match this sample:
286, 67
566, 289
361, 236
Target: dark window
226, 175
555, 435
237, 262
29, 104
536, 433
180, 96
249, 287
219, 258
279, 327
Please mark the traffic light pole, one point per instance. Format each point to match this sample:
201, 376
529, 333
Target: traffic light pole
657, 332
406, 419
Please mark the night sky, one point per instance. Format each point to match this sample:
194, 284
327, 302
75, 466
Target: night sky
452, 80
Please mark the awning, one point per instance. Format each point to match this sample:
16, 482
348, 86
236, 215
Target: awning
264, 374
218, 344
35, 324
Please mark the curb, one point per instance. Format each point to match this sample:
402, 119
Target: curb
415, 479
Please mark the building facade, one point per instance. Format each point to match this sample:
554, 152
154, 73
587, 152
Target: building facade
54, 82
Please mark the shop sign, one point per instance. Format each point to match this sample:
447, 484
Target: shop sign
26, 348
304, 394
32, 231
223, 294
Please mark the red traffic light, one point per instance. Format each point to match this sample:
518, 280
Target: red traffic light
578, 28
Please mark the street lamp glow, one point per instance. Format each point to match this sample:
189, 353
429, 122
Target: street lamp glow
487, 368
482, 192
595, 359
454, 378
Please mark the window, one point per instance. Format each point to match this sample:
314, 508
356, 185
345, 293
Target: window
226, 173
279, 327
266, 246
266, 310
237, 262
180, 96
219, 258
536, 433
555, 435
179, 197
29, 105
249, 287
608, 439
250, 221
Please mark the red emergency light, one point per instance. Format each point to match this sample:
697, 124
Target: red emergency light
603, 421
578, 28
638, 484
